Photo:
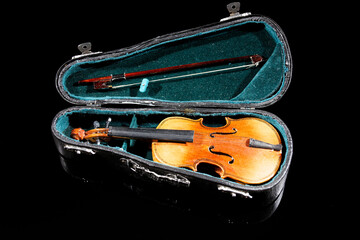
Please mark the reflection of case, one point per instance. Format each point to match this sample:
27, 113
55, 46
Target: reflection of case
235, 94
195, 201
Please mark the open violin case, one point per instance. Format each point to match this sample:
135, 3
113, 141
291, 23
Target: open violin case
236, 94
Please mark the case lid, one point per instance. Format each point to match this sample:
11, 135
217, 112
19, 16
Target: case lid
225, 85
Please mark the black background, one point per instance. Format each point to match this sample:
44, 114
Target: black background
40, 198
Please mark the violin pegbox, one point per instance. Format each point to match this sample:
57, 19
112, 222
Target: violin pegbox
95, 135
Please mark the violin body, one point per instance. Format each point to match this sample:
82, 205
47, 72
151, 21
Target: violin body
227, 147
247, 150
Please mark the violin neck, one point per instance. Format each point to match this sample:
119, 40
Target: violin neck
152, 134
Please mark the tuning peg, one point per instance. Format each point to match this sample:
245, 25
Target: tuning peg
96, 124
108, 122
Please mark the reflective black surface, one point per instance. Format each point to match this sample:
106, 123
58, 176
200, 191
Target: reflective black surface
40, 198
225, 208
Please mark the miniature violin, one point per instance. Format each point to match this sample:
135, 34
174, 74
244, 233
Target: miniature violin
247, 150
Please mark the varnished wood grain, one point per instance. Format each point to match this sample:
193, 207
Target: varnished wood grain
250, 165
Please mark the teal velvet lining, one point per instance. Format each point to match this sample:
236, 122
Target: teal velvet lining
148, 119
250, 85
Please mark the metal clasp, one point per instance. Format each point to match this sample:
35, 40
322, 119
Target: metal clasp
234, 192
234, 11
174, 179
85, 49
79, 150
233, 8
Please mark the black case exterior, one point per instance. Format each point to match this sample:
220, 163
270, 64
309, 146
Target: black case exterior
97, 162
254, 202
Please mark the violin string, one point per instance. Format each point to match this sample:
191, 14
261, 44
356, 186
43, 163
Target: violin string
217, 139
228, 139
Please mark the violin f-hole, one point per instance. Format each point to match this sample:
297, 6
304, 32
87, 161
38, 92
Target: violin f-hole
221, 153
223, 133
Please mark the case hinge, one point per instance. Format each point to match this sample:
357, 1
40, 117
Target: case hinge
234, 11
93, 104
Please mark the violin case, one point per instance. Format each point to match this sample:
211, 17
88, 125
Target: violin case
234, 94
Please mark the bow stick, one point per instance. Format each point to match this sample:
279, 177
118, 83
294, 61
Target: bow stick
106, 82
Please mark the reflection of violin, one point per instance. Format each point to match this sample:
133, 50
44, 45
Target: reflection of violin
246, 150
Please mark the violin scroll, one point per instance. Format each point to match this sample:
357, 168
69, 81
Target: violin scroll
92, 135
78, 133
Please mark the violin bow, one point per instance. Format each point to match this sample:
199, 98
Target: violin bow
106, 82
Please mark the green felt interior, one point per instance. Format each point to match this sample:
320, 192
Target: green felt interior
243, 39
85, 117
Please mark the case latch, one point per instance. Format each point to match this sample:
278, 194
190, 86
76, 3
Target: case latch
79, 150
234, 192
234, 11
85, 49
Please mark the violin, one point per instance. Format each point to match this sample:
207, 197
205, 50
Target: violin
247, 150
